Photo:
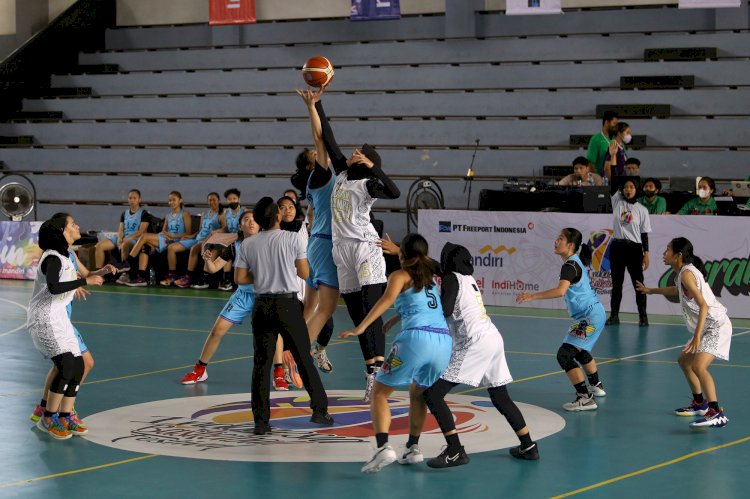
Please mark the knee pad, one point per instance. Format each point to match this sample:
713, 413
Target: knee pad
66, 366
584, 357
566, 357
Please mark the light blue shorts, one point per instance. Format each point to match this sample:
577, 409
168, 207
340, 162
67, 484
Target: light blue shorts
114, 240
585, 329
164, 242
239, 306
322, 267
418, 356
81, 344
189, 243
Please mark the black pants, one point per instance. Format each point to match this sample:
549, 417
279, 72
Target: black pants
274, 315
625, 254
359, 304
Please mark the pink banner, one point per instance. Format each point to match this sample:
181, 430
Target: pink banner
19, 251
231, 12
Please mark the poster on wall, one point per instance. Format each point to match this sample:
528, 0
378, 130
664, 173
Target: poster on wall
532, 7
708, 4
19, 251
513, 252
370, 10
231, 12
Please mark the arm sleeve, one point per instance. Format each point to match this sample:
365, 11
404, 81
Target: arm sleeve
51, 268
319, 176
644, 240
449, 294
338, 160
571, 272
382, 187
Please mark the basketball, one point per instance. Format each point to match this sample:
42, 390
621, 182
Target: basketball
317, 71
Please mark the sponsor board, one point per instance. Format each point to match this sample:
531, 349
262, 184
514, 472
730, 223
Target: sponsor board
220, 427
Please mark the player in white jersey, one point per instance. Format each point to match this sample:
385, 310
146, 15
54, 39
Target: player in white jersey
478, 358
50, 327
707, 319
356, 250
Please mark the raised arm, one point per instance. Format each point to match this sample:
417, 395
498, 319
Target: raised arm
311, 98
338, 160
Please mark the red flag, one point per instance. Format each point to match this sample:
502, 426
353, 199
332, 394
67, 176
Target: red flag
231, 12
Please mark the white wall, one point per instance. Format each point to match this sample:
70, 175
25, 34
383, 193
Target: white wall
7, 17
56, 7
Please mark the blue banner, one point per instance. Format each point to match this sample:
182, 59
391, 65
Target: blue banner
369, 10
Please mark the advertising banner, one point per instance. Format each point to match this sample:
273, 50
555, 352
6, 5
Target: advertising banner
708, 4
231, 12
369, 10
532, 7
513, 252
19, 251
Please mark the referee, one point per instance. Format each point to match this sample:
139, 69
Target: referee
276, 258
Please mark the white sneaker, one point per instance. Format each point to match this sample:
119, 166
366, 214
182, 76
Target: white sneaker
581, 403
597, 390
321, 359
370, 384
412, 455
384, 456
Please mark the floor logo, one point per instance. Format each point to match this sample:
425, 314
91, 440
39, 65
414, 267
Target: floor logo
220, 427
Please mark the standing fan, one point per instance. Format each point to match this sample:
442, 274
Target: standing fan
424, 194
17, 200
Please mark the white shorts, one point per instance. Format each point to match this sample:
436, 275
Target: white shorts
358, 264
716, 342
478, 360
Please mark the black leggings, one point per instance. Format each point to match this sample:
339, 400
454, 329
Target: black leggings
359, 304
69, 374
324, 337
434, 396
626, 254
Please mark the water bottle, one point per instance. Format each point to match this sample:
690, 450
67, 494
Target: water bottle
151, 277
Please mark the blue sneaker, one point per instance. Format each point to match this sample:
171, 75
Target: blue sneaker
694, 409
713, 418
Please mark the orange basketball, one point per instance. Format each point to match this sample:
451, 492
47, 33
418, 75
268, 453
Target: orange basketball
317, 71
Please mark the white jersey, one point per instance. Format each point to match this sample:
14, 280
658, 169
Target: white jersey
478, 356
350, 209
303, 234
48, 322
717, 332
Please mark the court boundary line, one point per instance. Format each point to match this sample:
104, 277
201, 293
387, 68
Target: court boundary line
20, 305
162, 328
651, 468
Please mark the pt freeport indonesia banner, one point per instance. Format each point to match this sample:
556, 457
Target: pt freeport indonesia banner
371, 10
513, 252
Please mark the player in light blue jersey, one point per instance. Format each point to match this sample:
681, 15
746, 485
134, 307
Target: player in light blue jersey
419, 354
588, 317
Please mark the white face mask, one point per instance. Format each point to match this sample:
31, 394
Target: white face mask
627, 138
703, 193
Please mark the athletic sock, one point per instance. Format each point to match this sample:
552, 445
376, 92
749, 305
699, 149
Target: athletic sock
714, 406
526, 440
378, 364
593, 378
698, 397
381, 439
201, 363
64, 414
48, 414
413, 440
370, 369
278, 365
453, 441
581, 388
43, 403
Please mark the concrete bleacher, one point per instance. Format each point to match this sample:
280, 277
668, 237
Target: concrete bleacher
198, 109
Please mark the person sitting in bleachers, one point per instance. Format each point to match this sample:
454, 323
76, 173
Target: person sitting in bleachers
633, 167
704, 204
655, 204
582, 175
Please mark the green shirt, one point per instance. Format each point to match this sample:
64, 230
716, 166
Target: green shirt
598, 148
695, 207
657, 207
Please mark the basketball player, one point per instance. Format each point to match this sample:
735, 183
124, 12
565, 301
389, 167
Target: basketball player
478, 358
419, 354
588, 316
356, 251
707, 319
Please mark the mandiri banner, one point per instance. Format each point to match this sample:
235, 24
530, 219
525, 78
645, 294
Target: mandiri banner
513, 252
708, 4
532, 7
19, 251
231, 12
369, 10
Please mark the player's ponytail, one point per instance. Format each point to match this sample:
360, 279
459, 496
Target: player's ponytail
416, 262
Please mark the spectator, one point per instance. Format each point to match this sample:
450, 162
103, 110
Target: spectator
599, 143
133, 222
582, 175
655, 204
704, 204
633, 167
614, 161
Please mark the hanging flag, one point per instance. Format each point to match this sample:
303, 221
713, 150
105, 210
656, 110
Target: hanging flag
231, 12
708, 4
532, 7
369, 10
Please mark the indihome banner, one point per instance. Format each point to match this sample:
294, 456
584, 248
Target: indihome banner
513, 252
19, 251
231, 12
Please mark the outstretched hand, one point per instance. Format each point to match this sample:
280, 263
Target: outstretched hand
349, 333
641, 288
523, 297
309, 96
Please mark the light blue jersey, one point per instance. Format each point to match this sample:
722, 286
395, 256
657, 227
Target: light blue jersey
320, 201
233, 221
131, 222
175, 225
209, 223
585, 309
580, 297
320, 245
420, 309
241, 303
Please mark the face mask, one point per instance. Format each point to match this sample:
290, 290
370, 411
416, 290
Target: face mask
649, 194
703, 193
627, 138
234, 206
